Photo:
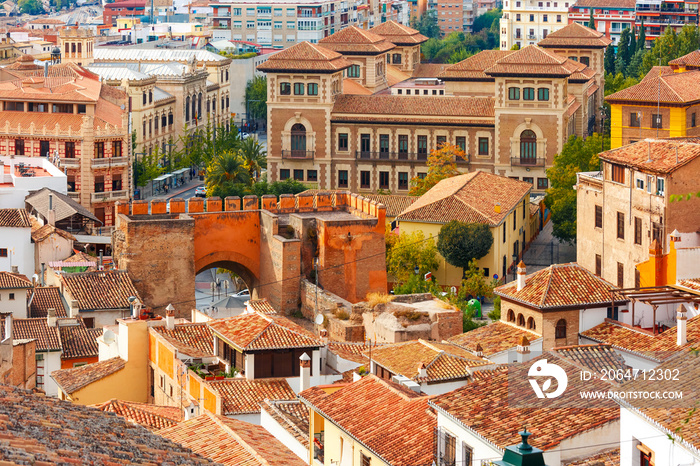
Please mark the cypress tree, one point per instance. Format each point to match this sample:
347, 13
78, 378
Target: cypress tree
609, 62
591, 21
633, 42
641, 41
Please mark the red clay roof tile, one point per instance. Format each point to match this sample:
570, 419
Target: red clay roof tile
72, 380
655, 155
243, 396
256, 332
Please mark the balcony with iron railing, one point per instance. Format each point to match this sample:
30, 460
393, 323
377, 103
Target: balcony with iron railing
71, 162
108, 196
75, 195
110, 162
298, 154
409, 157
527, 162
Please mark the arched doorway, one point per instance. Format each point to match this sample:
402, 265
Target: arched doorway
528, 147
298, 141
222, 289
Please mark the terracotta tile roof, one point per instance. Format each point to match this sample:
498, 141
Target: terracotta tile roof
394, 75
472, 68
45, 297
471, 198
657, 347
14, 218
262, 306
582, 74
692, 284
43, 232
493, 338
58, 432
305, 57
655, 155
533, 61
77, 341
442, 361
243, 396
497, 406
257, 332
81, 257
46, 21
399, 429
629, 4
352, 87
231, 442
360, 106
150, 416
105, 289
72, 380
398, 33
675, 88
394, 203
606, 458
355, 352
63, 205
9, 280
576, 35
560, 285
600, 357
293, 416
691, 60
355, 41
47, 338
427, 70
194, 339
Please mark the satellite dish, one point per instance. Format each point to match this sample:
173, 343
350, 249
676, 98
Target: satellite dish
109, 336
319, 319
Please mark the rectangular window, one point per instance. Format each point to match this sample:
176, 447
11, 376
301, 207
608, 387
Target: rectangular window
41, 107
692, 120
12, 296
403, 146
237, 12
558, 18
284, 174
542, 93
635, 119
660, 186
384, 145
311, 175
529, 93
542, 183
383, 180
504, 232
514, 93
100, 184
364, 180
657, 121
117, 182
618, 173
450, 450
250, 24
365, 144
365, 460
403, 180
354, 71
312, 89
544, 18
585, 60
343, 142
598, 265
440, 140
291, 24
620, 275
99, 150
422, 147
640, 183
483, 146
299, 175
116, 148
19, 146
620, 225
298, 88
637, 230
342, 178
461, 142
285, 89
599, 216
70, 150
3, 252
467, 451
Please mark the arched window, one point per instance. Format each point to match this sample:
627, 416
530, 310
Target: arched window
528, 147
531, 323
199, 106
298, 140
511, 315
187, 109
560, 329
521, 320
194, 107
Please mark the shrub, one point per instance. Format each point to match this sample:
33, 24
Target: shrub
373, 299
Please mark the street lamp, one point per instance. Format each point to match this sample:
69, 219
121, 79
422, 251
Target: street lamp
416, 270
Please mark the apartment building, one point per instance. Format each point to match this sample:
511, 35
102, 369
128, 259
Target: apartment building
280, 23
659, 15
611, 16
625, 208
510, 111
121, 9
525, 22
451, 14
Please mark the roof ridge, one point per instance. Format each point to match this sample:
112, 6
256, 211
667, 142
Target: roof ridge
273, 405
549, 283
232, 433
668, 86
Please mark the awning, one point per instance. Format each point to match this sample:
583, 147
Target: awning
181, 171
90, 239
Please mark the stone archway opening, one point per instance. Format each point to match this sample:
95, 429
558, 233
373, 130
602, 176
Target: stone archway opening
220, 288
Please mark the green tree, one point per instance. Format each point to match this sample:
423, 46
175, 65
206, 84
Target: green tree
441, 165
406, 251
31, 7
642, 39
617, 82
225, 169
496, 313
460, 243
623, 51
417, 284
577, 155
635, 67
591, 20
459, 55
148, 167
475, 283
254, 156
427, 24
486, 20
515, 46
256, 98
610, 59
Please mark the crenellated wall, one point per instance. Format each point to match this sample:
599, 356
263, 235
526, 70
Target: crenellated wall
270, 243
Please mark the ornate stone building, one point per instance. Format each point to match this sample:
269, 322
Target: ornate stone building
333, 123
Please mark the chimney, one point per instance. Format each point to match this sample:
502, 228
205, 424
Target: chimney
52, 213
46, 69
304, 372
100, 264
523, 349
422, 370
479, 350
14, 269
74, 308
170, 317
675, 237
51, 317
521, 276
681, 326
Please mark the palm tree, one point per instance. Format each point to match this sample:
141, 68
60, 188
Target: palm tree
227, 168
254, 156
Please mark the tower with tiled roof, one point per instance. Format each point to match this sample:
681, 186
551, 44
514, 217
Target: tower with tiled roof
406, 55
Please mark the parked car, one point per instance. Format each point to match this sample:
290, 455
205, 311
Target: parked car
242, 294
200, 191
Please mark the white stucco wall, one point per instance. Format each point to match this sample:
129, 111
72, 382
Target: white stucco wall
511, 354
20, 250
103, 318
339, 364
481, 450
251, 418
16, 188
18, 305
589, 443
52, 362
281, 434
440, 388
589, 318
634, 429
53, 248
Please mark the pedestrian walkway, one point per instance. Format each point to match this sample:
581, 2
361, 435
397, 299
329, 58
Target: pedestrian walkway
175, 192
546, 250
